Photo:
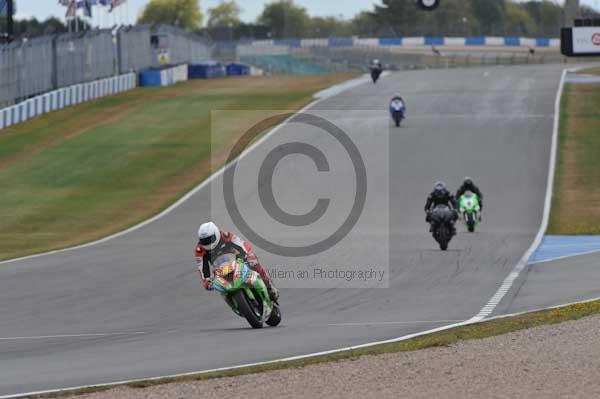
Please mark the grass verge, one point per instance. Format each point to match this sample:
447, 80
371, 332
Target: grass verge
576, 200
88, 171
443, 338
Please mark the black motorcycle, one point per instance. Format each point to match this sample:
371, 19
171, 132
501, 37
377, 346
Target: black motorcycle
375, 74
443, 219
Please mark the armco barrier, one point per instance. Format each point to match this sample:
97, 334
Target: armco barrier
65, 97
206, 70
237, 69
264, 46
164, 77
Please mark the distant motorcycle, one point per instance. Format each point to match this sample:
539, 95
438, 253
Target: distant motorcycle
245, 292
442, 220
375, 74
470, 210
397, 109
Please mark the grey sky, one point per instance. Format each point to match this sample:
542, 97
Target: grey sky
251, 8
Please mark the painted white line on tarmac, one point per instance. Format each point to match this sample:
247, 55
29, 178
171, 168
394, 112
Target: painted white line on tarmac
386, 323
91, 335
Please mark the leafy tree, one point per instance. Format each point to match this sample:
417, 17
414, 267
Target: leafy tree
547, 15
490, 16
365, 24
518, 20
398, 17
183, 14
329, 27
285, 19
32, 27
452, 18
225, 14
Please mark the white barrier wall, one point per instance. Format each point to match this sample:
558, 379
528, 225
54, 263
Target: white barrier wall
66, 97
454, 41
174, 75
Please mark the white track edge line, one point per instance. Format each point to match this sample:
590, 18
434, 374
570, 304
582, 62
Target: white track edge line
299, 357
507, 284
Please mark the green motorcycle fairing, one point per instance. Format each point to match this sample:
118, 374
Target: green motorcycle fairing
469, 205
232, 275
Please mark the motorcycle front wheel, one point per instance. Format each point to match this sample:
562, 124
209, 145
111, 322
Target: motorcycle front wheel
443, 237
471, 223
251, 312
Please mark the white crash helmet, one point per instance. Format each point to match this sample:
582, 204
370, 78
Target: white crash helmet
209, 236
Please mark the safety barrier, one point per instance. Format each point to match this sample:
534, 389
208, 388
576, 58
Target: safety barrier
164, 77
206, 70
65, 97
246, 48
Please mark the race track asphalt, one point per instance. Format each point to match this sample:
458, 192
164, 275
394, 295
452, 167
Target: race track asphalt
133, 307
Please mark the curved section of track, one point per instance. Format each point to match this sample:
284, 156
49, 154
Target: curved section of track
132, 307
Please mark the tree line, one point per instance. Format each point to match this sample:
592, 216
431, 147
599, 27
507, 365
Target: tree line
284, 19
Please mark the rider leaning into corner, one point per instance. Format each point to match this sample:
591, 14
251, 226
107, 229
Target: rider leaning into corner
440, 196
213, 242
469, 185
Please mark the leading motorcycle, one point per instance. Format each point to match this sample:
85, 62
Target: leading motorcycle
245, 292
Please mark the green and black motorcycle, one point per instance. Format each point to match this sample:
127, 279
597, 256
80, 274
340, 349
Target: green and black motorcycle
470, 210
245, 292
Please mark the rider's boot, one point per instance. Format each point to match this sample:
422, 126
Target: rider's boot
273, 292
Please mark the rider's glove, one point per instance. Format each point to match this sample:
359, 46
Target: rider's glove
252, 260
207, 283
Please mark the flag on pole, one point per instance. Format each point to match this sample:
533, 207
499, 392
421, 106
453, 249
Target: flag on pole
71, 9
87, 7
116, 3
4, 7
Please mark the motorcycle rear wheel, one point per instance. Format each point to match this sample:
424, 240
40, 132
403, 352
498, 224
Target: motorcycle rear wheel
275, 317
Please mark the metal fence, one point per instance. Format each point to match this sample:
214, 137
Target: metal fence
134, 49
24, 69
36, 66
83, 57
181, 46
